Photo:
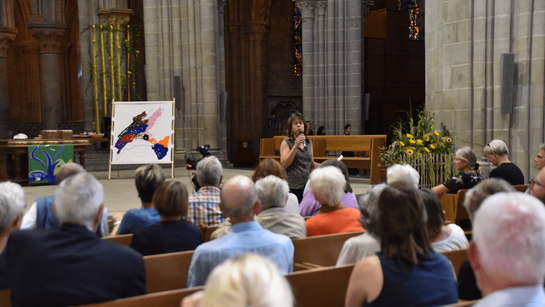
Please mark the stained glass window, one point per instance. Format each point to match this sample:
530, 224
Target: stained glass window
298, 43
412, 7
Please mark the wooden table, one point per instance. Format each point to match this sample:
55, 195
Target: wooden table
16, 148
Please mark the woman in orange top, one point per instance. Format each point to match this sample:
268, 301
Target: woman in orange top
326, 184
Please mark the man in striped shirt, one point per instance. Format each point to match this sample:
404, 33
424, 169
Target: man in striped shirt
204, 204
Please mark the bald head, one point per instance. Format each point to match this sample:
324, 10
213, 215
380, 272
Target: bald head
68, 170
239, 198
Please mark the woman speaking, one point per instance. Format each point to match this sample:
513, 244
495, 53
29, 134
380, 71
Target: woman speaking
296, 155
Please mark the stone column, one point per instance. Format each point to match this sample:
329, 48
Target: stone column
51, 40
308, 16
7, 35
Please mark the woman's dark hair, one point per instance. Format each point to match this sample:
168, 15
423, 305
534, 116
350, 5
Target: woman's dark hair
340, 165
436, 217
402, 223
268, 167
321, 131
295, 115
347, 126
170, 199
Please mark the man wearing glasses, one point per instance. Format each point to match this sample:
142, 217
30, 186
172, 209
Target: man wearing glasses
537, 186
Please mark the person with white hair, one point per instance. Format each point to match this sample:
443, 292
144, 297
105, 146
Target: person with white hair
70, 266
465, 162
366, 244
498, 154
40, 214
402, 173
12, 207
327, 185
245, 280
508, 250
273, 216
239, 202
204, 204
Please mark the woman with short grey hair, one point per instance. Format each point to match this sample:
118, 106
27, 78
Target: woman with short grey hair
498, 154
465, 162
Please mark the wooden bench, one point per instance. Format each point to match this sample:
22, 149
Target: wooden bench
167, 271
321, 287
321, 250
456, 257
5, 298
453, 205
521, 187
121, 239
323, 144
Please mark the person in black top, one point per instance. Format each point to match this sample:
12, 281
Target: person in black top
171, 233
309, 128
465, 162
498, 154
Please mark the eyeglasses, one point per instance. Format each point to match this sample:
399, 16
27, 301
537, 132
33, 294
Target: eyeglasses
534, 181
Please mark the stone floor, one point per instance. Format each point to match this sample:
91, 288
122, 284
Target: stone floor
120, 192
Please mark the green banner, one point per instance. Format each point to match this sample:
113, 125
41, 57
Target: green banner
44, 161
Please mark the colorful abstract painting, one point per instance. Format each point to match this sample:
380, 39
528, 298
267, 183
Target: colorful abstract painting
44, 162
142, 132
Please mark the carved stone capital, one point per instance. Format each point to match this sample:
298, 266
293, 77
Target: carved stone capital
51, 40
322, 8
308, 9
29, 47
7, 35
366, 6
115, 16
221, 6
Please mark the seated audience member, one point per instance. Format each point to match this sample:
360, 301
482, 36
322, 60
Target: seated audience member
366, 244
321, 130
507, 251
467, 284
310, 206
442, 237
407, 272
245, 280
171, 233
272, 192
148, 178
540, 158
327, 184
204, 204
272, 167
537, 186
498, 154
239, 202
466, 163
69, 265
402, 173
12, 207
40, 215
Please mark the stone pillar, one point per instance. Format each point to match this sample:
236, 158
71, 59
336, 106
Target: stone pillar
332, 75
7, 35
51, 41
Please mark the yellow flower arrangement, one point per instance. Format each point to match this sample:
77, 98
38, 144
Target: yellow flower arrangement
409, 135
419, 141
410, 151
449, 140
412, 141
436, 133
402, 144
427, 150
432, 146
427, 138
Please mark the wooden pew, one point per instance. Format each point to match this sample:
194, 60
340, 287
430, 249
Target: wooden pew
167, 271
453, 205
462, 303
521, 187
320, 287
170, 298
321, 250
456, 257
121, 239
5, 298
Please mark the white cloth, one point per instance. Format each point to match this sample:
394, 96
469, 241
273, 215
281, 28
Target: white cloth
456, 240
522, 296
358, 247
292, 205
29, 220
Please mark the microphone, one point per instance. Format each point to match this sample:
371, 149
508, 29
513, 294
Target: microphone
305, 141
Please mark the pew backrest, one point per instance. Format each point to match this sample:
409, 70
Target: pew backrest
170, 298
121, 239
456, 257
5, 298
167, 271
322, 250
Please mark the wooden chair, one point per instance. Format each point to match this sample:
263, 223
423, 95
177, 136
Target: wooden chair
320, 287
170, 298
521, 187
5, 298
456, 257
167, 271
121, 239
321, 250
462, 304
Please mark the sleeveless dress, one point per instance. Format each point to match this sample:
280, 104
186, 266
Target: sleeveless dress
298, 172
428, 283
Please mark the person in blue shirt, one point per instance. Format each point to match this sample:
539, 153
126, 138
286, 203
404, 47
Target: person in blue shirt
507, 250
148, 178
240, 203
